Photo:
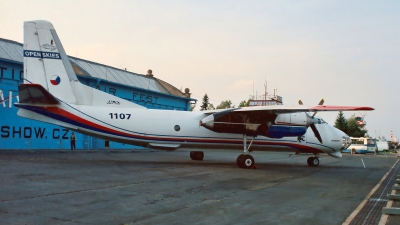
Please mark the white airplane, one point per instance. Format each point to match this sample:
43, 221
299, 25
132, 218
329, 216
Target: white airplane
52, 93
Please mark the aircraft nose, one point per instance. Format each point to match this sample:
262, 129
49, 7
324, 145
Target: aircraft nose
346, 141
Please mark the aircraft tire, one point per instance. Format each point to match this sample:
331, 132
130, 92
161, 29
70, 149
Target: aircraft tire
191, 155
200, 155
313, 161
197, 155
239, 160
248, 162
245, 161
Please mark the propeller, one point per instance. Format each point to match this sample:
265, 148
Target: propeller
312, 125
320, 103
316, 132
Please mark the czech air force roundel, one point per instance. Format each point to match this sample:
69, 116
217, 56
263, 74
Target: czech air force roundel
55, 80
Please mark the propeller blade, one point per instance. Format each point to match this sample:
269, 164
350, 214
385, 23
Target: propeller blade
316, 132
313, 114
320, 103
300, 102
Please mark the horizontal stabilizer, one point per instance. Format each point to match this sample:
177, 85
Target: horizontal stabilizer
35, 94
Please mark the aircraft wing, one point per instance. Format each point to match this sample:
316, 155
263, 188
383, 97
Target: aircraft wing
272, 121
301, 108
212, 111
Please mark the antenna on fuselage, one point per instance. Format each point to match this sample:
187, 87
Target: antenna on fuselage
265, 90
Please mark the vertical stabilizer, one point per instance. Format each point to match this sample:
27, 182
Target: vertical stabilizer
47, 64
45, 61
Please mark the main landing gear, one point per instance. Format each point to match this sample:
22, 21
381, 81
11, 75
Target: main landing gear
313, 161
245, 160
197, 155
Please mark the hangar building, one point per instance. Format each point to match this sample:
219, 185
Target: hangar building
18, 133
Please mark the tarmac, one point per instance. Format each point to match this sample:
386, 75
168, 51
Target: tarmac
159, 187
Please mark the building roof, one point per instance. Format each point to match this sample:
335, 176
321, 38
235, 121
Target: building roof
12, 51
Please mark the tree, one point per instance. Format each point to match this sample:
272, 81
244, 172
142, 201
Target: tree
205, 103
353, 130
243, 103
225, 105
192, 106
210, 106
341, 122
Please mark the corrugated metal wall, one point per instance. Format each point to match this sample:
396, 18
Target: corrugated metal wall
19, 133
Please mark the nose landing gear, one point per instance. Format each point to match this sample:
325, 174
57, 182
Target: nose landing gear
313, 161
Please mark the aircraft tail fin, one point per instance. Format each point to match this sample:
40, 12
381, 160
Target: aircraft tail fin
47, 64
45, 61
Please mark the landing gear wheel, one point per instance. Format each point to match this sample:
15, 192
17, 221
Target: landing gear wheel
313, 161
248, 162
238, 160
191, 155
245, 161
197, 155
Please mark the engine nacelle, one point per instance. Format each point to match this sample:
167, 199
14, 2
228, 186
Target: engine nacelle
279, 126
294, 119
216, 125
280, 131
225, 122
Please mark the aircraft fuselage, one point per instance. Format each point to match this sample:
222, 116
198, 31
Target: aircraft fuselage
172, 128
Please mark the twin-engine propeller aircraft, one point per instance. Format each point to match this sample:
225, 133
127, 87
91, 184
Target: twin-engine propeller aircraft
52, 93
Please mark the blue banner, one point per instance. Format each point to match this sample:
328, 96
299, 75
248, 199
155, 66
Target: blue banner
39, 54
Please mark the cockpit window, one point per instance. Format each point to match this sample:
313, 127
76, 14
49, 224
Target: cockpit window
321, 121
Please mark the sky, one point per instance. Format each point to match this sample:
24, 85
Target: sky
344, 51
